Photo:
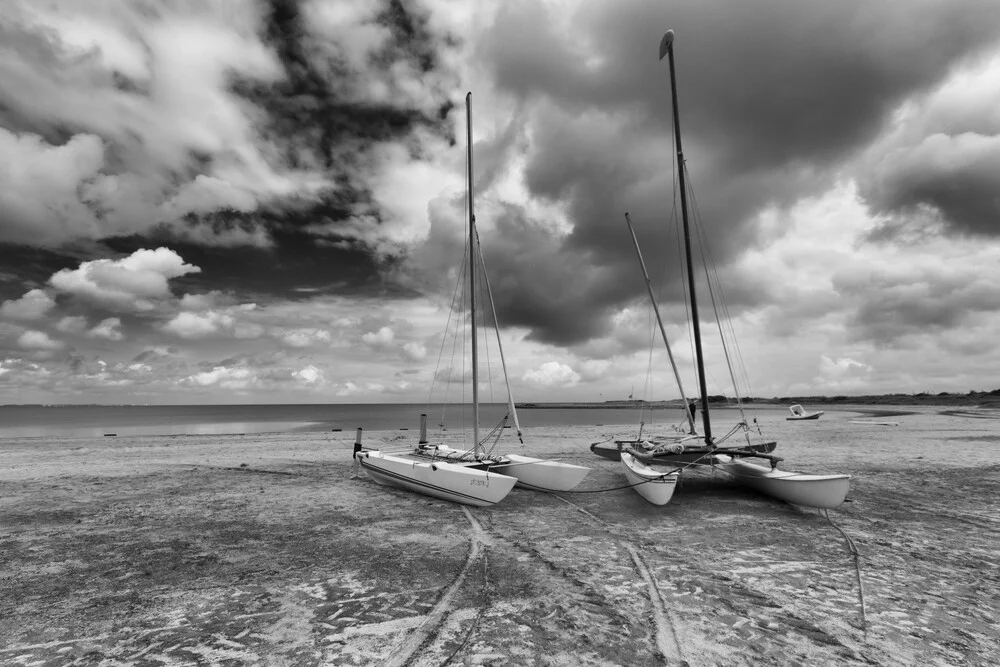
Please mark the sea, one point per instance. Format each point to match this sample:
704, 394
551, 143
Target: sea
93, 421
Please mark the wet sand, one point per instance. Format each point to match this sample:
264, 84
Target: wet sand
261, 550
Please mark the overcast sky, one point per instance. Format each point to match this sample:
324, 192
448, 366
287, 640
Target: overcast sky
239, 201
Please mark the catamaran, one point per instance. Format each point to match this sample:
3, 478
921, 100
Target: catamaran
474, 476
686, 448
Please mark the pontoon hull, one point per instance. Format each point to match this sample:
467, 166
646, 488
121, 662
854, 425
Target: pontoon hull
543, 475
447, 481
656, 486
822, 491
538, 474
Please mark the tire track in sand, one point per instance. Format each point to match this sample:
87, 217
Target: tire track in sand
667, 641
403, 653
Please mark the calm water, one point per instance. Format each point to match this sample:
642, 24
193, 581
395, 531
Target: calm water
84, 421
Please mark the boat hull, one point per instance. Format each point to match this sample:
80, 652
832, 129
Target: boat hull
656, 486
799, 413
542, 474
696, 454
538, 474
822, 491
448, 481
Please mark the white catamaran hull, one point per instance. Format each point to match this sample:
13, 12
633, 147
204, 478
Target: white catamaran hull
656, 486
438, 479
539, 474
543, 474
823, 491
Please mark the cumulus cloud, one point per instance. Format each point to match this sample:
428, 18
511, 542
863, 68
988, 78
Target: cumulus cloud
150, 93
72, 324
415, 351
198, 325
309, 375
381, 338
133, 283
34, 305
304, 337
551, 374
236, 378
108, 329
38, 340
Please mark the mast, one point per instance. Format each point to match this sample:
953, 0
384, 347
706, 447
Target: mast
659, 320
667, 48
472, 280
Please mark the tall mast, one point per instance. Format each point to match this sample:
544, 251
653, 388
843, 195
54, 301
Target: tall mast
667, 48
472, 279
659, 321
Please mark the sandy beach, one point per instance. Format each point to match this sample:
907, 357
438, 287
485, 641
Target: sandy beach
262, 550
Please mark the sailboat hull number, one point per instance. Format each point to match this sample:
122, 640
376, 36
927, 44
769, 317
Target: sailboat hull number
480, 482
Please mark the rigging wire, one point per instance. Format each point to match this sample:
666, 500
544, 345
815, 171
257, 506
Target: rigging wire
459, 282
719, 303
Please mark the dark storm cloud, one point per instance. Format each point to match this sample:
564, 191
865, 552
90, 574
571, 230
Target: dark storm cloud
230, 141
774, 95
310, 112
956, 177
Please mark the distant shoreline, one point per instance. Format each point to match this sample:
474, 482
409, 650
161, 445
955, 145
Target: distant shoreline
980, 399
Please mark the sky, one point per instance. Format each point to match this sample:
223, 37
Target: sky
249, 201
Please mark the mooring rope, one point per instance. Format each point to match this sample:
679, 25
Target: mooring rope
479, 617
614, 488
857, 569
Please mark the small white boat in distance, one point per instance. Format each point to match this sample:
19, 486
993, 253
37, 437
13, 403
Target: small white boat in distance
822, 491
457, 482
798, 412
655, 485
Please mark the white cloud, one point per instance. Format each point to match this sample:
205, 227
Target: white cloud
32, 306
415, 351
381, 338
131, 284
198, 325
347, 389
309, 375
146, 89
552, 374
108, 329
72, 324
222, 377
304, 337
38, 340
41, 193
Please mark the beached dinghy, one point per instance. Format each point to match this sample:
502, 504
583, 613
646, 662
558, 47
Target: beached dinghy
684, 451
475, 468
823, 491
799, 413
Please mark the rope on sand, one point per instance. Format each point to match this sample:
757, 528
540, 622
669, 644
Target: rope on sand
479, 617
857, 569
